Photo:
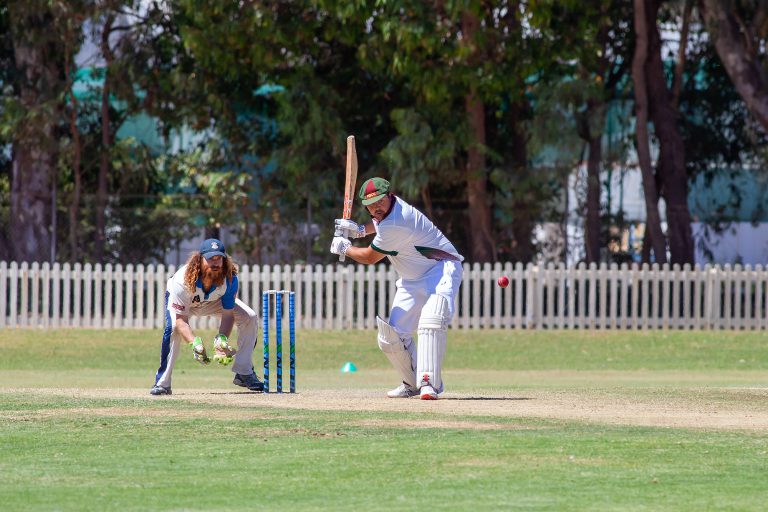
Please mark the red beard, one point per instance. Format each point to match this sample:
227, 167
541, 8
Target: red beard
215, 275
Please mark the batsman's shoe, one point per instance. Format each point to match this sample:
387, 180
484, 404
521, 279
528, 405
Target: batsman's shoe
224, 351
248, 381
427, 393
402, 391
198, 351
160, 390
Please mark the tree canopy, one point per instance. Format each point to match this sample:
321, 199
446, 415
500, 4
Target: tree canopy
480, 113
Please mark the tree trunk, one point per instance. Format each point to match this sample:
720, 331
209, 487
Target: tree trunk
739, 56
426, 198
481, 240
592, 224
106, 145
593, 200
34, 155
671, 165
479, 211
74, 207
677, 80
523, 248
31, 180
653, 221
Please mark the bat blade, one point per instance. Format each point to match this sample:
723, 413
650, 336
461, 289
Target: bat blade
351, 178
350, 181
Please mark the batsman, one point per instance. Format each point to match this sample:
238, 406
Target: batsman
430, 273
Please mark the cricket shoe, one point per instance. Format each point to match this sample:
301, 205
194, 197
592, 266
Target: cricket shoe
402, 391
248, 381
224, 351
427, 392
160, 390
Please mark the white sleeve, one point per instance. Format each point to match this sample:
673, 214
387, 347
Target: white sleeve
179, 299
390, 240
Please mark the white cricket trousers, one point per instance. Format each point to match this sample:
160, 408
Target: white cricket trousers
246, 322
443, 279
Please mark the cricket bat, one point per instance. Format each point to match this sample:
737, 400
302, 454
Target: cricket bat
350, 181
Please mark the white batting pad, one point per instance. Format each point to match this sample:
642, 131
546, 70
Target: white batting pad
433, 324
400, 355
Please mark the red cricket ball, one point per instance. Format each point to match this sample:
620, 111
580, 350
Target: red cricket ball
503, 281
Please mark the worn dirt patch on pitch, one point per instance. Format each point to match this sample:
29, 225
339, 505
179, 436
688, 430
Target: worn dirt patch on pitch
696, 408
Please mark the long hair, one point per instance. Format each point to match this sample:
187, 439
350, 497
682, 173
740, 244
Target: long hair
195, 266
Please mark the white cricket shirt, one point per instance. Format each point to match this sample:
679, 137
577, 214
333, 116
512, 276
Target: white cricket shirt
181, 301
411, 242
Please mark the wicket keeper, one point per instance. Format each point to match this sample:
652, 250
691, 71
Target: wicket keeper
207, 285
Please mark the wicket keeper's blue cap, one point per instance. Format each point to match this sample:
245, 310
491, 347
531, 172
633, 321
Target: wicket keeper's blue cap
212, 247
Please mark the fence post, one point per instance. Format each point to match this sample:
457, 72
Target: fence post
46, 282
87, 296
3, 292
139, 314
603, 285
328, 278
709, 300
34, 278
548, 314
532, 296
98, 281
613, 296
593, 278
24, 294
686, 315
727, 296
562, 287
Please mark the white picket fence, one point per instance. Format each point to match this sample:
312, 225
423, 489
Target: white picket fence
349, 296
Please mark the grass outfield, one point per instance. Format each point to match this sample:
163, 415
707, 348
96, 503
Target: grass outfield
543, 420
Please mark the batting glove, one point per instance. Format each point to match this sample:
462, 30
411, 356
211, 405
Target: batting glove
224, 351
339, 245
349, 228
198, 351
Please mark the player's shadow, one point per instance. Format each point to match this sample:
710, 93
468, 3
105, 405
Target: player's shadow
235, 392
489, 398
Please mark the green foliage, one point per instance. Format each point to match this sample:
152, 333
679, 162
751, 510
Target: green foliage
419, 155
717, 127
271, 91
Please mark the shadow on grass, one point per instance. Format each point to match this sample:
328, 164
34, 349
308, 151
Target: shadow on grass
240, 393
489, 398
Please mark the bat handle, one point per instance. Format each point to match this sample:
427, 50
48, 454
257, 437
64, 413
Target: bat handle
342, 257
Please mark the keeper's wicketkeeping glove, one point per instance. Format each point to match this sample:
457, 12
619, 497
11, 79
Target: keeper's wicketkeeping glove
224, 351
198, 351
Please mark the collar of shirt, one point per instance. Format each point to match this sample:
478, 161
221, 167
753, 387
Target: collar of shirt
199, 284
